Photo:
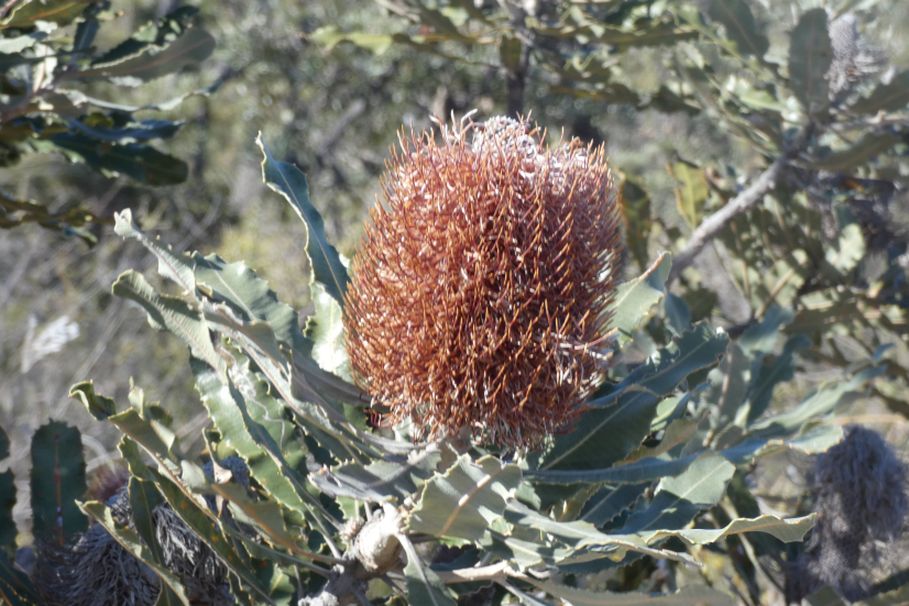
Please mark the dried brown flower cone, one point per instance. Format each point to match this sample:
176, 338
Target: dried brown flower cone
481, 287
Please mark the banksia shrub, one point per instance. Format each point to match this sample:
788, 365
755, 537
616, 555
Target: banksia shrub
481, 289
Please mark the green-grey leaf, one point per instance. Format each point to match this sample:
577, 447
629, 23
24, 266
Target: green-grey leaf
248, 295
173, 266
287, 180
171, 314
788, 530
8, 528
741, 27
620, 420
889, 97
678, 499
57, 480
154, 61
464, 502
423, 585
139, 161
251, 440
859, 153
325, 327
636, 299
810, 55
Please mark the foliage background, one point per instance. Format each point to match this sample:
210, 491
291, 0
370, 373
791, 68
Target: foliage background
334, 108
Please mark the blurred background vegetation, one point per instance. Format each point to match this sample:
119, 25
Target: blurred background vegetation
691, 108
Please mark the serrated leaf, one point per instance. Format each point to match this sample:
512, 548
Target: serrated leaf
170, 313
636, 299
810, 55
464, 502
619, 420
143, 499
57, 480
287, 180
647, 469
173, 266
788, 530
266, 516
136, 160
607, 503
577, 540
100, 407
229, 412
741, 27
678, 499
154, 60
248, 295
889, 97
392, 479
820, 403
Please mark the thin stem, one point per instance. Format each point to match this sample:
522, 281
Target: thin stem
712, 225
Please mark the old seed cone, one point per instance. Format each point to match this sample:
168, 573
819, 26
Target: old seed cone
481, 289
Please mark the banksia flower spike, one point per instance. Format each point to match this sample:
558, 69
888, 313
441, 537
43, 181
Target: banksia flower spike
481, 289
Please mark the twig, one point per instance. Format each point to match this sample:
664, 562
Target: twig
491, 572
712, 225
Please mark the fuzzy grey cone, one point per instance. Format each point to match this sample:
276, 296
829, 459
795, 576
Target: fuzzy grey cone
862, 505
97, 571
853, 58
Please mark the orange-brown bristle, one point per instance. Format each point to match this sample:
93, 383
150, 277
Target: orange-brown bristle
483, 283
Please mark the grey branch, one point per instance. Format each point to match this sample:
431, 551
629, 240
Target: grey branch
712, 225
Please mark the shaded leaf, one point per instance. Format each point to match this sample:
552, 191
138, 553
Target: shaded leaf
810, 55
136, 160
155, 60
170, 313
861, 152
678, 499
741, 27
423, 585
892, 96
57, 480
619, 420
8, 528
287, 180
